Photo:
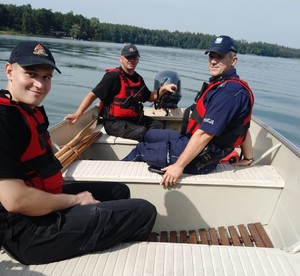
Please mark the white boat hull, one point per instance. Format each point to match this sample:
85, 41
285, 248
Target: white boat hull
267, 192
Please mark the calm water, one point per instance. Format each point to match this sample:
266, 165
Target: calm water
274, 81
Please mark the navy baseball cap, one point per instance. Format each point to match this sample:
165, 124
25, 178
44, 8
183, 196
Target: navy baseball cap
28, 53
130, 50
222, 45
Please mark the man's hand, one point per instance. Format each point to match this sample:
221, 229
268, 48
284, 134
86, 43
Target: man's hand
86, 198
73, 118
171, 87
196, 144
17, 197
243, 162
171, 176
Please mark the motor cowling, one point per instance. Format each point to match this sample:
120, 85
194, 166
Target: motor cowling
169, 99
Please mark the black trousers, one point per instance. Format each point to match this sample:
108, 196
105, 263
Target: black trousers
131, 129
83, 229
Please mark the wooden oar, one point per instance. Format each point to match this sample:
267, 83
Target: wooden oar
75, 150
84, 144
85, 131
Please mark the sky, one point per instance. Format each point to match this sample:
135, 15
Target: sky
270, 21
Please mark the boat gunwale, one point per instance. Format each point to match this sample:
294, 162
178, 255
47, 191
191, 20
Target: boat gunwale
278, 136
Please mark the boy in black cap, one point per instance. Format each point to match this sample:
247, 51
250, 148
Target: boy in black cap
122, 92
41, 219
218, 123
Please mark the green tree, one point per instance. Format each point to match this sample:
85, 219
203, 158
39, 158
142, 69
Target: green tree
75, 31
95, 28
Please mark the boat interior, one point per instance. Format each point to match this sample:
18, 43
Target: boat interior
229, 198
233, 221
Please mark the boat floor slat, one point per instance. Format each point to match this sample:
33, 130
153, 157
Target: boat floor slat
253, 236
214, 240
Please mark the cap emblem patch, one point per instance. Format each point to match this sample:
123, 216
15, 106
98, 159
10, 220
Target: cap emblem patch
39, 50
218, 40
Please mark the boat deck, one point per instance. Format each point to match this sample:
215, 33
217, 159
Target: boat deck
213, 251
155, 259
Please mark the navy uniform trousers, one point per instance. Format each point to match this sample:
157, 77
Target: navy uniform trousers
162, 147
83, 229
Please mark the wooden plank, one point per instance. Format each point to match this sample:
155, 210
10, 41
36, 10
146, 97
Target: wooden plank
153, 237
183, 236
234, 236
203, 236
173, 236
255, 235
223, 236
193, 237
164, 236
263, 234
245, 235
213, 236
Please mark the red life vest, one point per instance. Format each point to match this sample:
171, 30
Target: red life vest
42, 169
127, 103
238, 130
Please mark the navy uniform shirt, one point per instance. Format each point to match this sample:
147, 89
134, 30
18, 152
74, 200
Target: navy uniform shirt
225, 104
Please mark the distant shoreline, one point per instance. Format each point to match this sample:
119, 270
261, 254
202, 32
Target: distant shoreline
10, 32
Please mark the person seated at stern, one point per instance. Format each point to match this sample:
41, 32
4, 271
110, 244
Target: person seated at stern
212, 127
122, 92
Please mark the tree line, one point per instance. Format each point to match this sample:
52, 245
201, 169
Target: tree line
43, 22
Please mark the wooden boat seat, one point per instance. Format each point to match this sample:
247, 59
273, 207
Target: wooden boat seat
137, 172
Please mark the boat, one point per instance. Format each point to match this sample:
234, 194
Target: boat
233, 221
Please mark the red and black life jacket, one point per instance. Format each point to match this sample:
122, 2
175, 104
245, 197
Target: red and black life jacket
42, 169
127, 102
235, 133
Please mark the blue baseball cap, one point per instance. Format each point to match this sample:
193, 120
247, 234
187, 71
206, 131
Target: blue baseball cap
28, 53
222, 45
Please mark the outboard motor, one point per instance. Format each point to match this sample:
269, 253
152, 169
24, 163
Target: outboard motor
169, 99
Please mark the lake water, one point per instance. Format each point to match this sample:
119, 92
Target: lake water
274, 81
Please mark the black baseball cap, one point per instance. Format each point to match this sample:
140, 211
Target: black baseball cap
222, 45
130, 50
27, 53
